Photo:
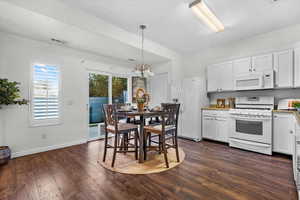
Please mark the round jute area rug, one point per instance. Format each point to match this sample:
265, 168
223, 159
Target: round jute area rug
126, 163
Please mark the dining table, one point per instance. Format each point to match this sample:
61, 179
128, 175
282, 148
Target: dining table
142, 116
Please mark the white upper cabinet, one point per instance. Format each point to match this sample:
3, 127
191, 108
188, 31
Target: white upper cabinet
242, 66
219, 77
226, 76
283, 67
262, 63
212, 78
297, 68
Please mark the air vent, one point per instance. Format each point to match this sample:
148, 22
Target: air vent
61, 42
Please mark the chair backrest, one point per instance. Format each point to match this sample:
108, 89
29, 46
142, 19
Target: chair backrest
171, 113
110, 117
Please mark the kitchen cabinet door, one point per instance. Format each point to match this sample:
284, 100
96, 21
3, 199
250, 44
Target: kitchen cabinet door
222, 129
283, 66
297, 67
283, 133
241, 66
262, 63
225, 76
209, 130
212, 78
219, 77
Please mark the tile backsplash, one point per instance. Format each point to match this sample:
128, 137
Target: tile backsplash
278, 94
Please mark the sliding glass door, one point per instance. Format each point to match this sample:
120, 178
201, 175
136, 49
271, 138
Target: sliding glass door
119, 90
98, 95
104, 89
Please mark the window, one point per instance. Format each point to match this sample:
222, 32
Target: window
45, 94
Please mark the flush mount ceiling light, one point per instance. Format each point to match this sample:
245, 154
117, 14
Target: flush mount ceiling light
203, 12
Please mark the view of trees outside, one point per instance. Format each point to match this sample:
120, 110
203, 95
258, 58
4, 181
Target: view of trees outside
98, 89
99, 94
119, 90
98, 85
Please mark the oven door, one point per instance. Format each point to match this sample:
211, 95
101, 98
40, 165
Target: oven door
256, 129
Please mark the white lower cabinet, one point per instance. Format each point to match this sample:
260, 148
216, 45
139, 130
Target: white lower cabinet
283, 133
215, 125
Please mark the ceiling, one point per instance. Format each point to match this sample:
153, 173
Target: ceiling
172, 24
20, 21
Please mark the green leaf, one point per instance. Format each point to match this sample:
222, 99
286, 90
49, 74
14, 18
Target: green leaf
10, 93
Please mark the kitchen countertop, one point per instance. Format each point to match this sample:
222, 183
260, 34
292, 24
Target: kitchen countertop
215, 108
296, 113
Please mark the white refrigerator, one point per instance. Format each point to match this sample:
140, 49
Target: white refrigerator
191, 94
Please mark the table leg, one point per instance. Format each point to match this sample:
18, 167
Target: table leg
141, 147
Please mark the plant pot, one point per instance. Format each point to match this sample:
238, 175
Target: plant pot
5, 155
141, 107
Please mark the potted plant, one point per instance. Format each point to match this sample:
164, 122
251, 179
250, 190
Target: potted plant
9, 94
142, 99
140, 103
297, 105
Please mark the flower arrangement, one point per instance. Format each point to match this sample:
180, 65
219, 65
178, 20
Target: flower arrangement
10, 93
142, 99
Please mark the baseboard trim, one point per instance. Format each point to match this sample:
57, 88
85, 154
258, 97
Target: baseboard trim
47, 148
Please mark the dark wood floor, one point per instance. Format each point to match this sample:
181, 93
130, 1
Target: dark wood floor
210, 171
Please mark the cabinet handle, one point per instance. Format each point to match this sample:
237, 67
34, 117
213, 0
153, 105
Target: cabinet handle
254, 70
250, 70
291, 132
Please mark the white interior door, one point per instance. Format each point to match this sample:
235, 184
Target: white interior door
158, 89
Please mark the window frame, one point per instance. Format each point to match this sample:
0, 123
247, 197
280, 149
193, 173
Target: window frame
45, 122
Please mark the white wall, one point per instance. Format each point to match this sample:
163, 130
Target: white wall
162, 69
16, 55
194, 65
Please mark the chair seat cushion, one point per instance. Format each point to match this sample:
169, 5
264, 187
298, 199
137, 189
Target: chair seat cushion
158, 128
122, 127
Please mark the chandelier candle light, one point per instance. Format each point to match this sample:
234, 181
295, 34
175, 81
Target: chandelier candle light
143, 70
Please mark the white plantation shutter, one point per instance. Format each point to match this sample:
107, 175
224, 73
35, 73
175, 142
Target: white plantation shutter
45, 95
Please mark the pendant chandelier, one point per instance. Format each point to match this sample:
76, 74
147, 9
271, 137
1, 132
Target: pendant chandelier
143, 70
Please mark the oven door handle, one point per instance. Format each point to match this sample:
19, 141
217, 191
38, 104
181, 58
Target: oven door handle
250, 118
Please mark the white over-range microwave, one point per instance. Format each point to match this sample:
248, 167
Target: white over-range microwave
254, 81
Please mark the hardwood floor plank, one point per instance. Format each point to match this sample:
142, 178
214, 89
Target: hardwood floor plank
26, 184
7, 181
46, 185
211, 171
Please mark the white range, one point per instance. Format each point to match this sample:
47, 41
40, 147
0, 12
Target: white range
251, 124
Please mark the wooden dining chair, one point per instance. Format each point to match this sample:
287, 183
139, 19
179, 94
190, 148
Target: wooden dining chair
120, 131
166, 130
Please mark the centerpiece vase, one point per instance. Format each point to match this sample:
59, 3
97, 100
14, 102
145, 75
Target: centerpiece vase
141, 107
